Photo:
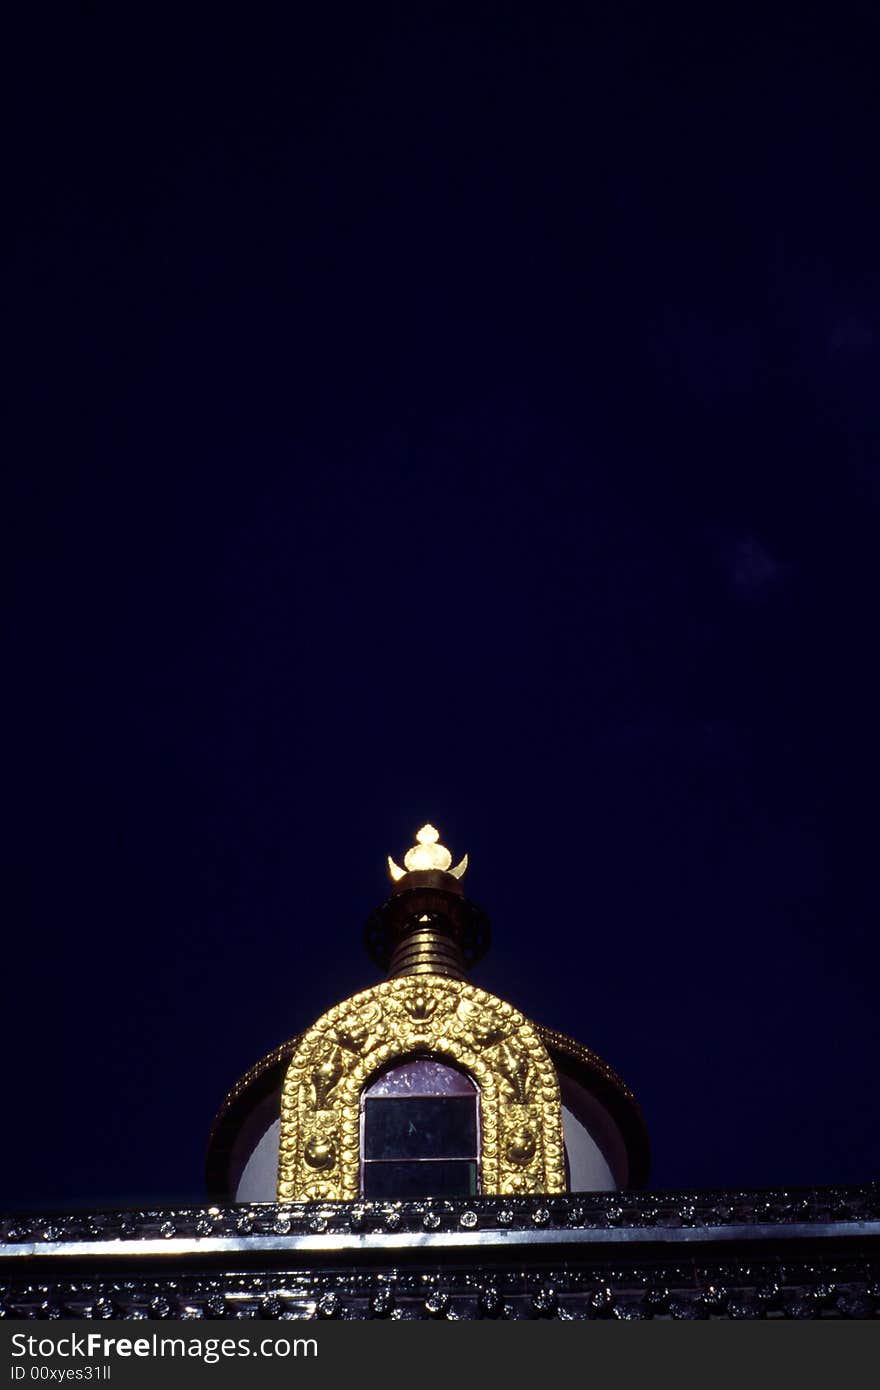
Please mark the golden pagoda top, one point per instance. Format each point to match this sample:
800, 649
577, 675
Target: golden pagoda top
427, 853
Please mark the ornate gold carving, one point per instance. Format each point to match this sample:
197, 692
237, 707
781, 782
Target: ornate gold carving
320, 1152
521, 1145
357, 1031
482, 1026
326, 1075
421, 1008
520, 1110
514, 1067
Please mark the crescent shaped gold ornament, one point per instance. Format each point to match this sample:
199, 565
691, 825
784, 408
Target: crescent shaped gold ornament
395, 870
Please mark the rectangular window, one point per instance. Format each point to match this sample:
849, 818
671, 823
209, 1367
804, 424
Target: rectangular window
422, 1127
441, 1178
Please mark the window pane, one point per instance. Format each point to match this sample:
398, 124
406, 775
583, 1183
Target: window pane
453, 1179
424, 1127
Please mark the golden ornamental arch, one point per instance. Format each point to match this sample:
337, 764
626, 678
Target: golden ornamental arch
520, 1109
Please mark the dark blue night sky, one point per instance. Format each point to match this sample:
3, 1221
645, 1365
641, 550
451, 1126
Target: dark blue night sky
451, 412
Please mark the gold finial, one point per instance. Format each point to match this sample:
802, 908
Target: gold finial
427, 853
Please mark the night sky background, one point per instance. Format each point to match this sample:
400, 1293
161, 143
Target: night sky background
451, 412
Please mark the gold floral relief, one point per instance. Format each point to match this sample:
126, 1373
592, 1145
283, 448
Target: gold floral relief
520, 1110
